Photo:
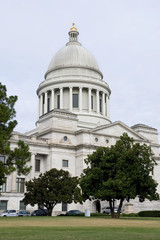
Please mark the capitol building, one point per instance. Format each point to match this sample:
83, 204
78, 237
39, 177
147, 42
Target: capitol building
74, 119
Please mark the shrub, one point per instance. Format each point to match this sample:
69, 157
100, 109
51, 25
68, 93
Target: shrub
129, 215
98, 214
149, 213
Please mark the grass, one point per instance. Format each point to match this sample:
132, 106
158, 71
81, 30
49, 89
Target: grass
71, 228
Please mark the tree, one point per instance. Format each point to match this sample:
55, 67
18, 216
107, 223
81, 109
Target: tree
17, 158
120, 172
52, 187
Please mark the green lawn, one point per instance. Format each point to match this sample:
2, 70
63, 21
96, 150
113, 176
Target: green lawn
59, 228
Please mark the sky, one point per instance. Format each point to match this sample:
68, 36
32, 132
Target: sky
123, 36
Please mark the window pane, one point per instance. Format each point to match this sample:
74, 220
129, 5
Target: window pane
48, 105
75, 100
43, 105
3, 187
20, 185
3, 205
100, 105
92, 102
64, 207
2, 159
22, 206
64, 163
37, 165
58, 101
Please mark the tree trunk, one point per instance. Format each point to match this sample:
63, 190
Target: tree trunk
50, 211
111, 204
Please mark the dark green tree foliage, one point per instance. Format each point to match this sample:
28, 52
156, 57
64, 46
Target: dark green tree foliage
19, 156
51, 188
7, 124
120, 172
2, 173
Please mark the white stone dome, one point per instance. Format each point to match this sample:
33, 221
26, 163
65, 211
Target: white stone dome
74, 84
73, 55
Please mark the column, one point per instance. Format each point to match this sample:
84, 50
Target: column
40, 104
106, 105
13, 182
52, 99
61, 98
103, 104
32, 172
97, 100
80, 99
108, 110
45, 102
70, 98
89, 99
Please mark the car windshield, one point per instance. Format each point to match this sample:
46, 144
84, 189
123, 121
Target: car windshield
5, 211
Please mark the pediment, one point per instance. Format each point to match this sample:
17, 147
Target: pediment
116, 129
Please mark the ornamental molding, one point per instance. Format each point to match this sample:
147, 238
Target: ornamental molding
58, 113
77, 83
142, 126
142, 138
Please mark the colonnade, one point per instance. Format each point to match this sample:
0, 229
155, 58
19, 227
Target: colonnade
48, 100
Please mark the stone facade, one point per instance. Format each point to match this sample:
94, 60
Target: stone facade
74, 118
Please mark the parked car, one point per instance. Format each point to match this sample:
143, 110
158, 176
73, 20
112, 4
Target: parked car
73, 212
23, 213
39, 212
107, 210
9, 213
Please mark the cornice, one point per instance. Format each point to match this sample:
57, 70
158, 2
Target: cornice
154, 144
157, 158
59, 113
56, 130
31, 143
149, 132
77, 83
73, 147
140, 125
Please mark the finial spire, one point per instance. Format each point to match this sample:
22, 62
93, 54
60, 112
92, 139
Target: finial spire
73, 34
73, 27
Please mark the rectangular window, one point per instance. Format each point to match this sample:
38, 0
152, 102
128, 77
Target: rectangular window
92, 102
75, 100
100, 105
3, 187
43, 104
37, 165
64, 207
64, 163
58, 101
152, 172
3, 204
48, 105
2, 159
22, 206
20, 185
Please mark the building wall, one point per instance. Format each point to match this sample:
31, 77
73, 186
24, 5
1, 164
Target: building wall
52, 148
